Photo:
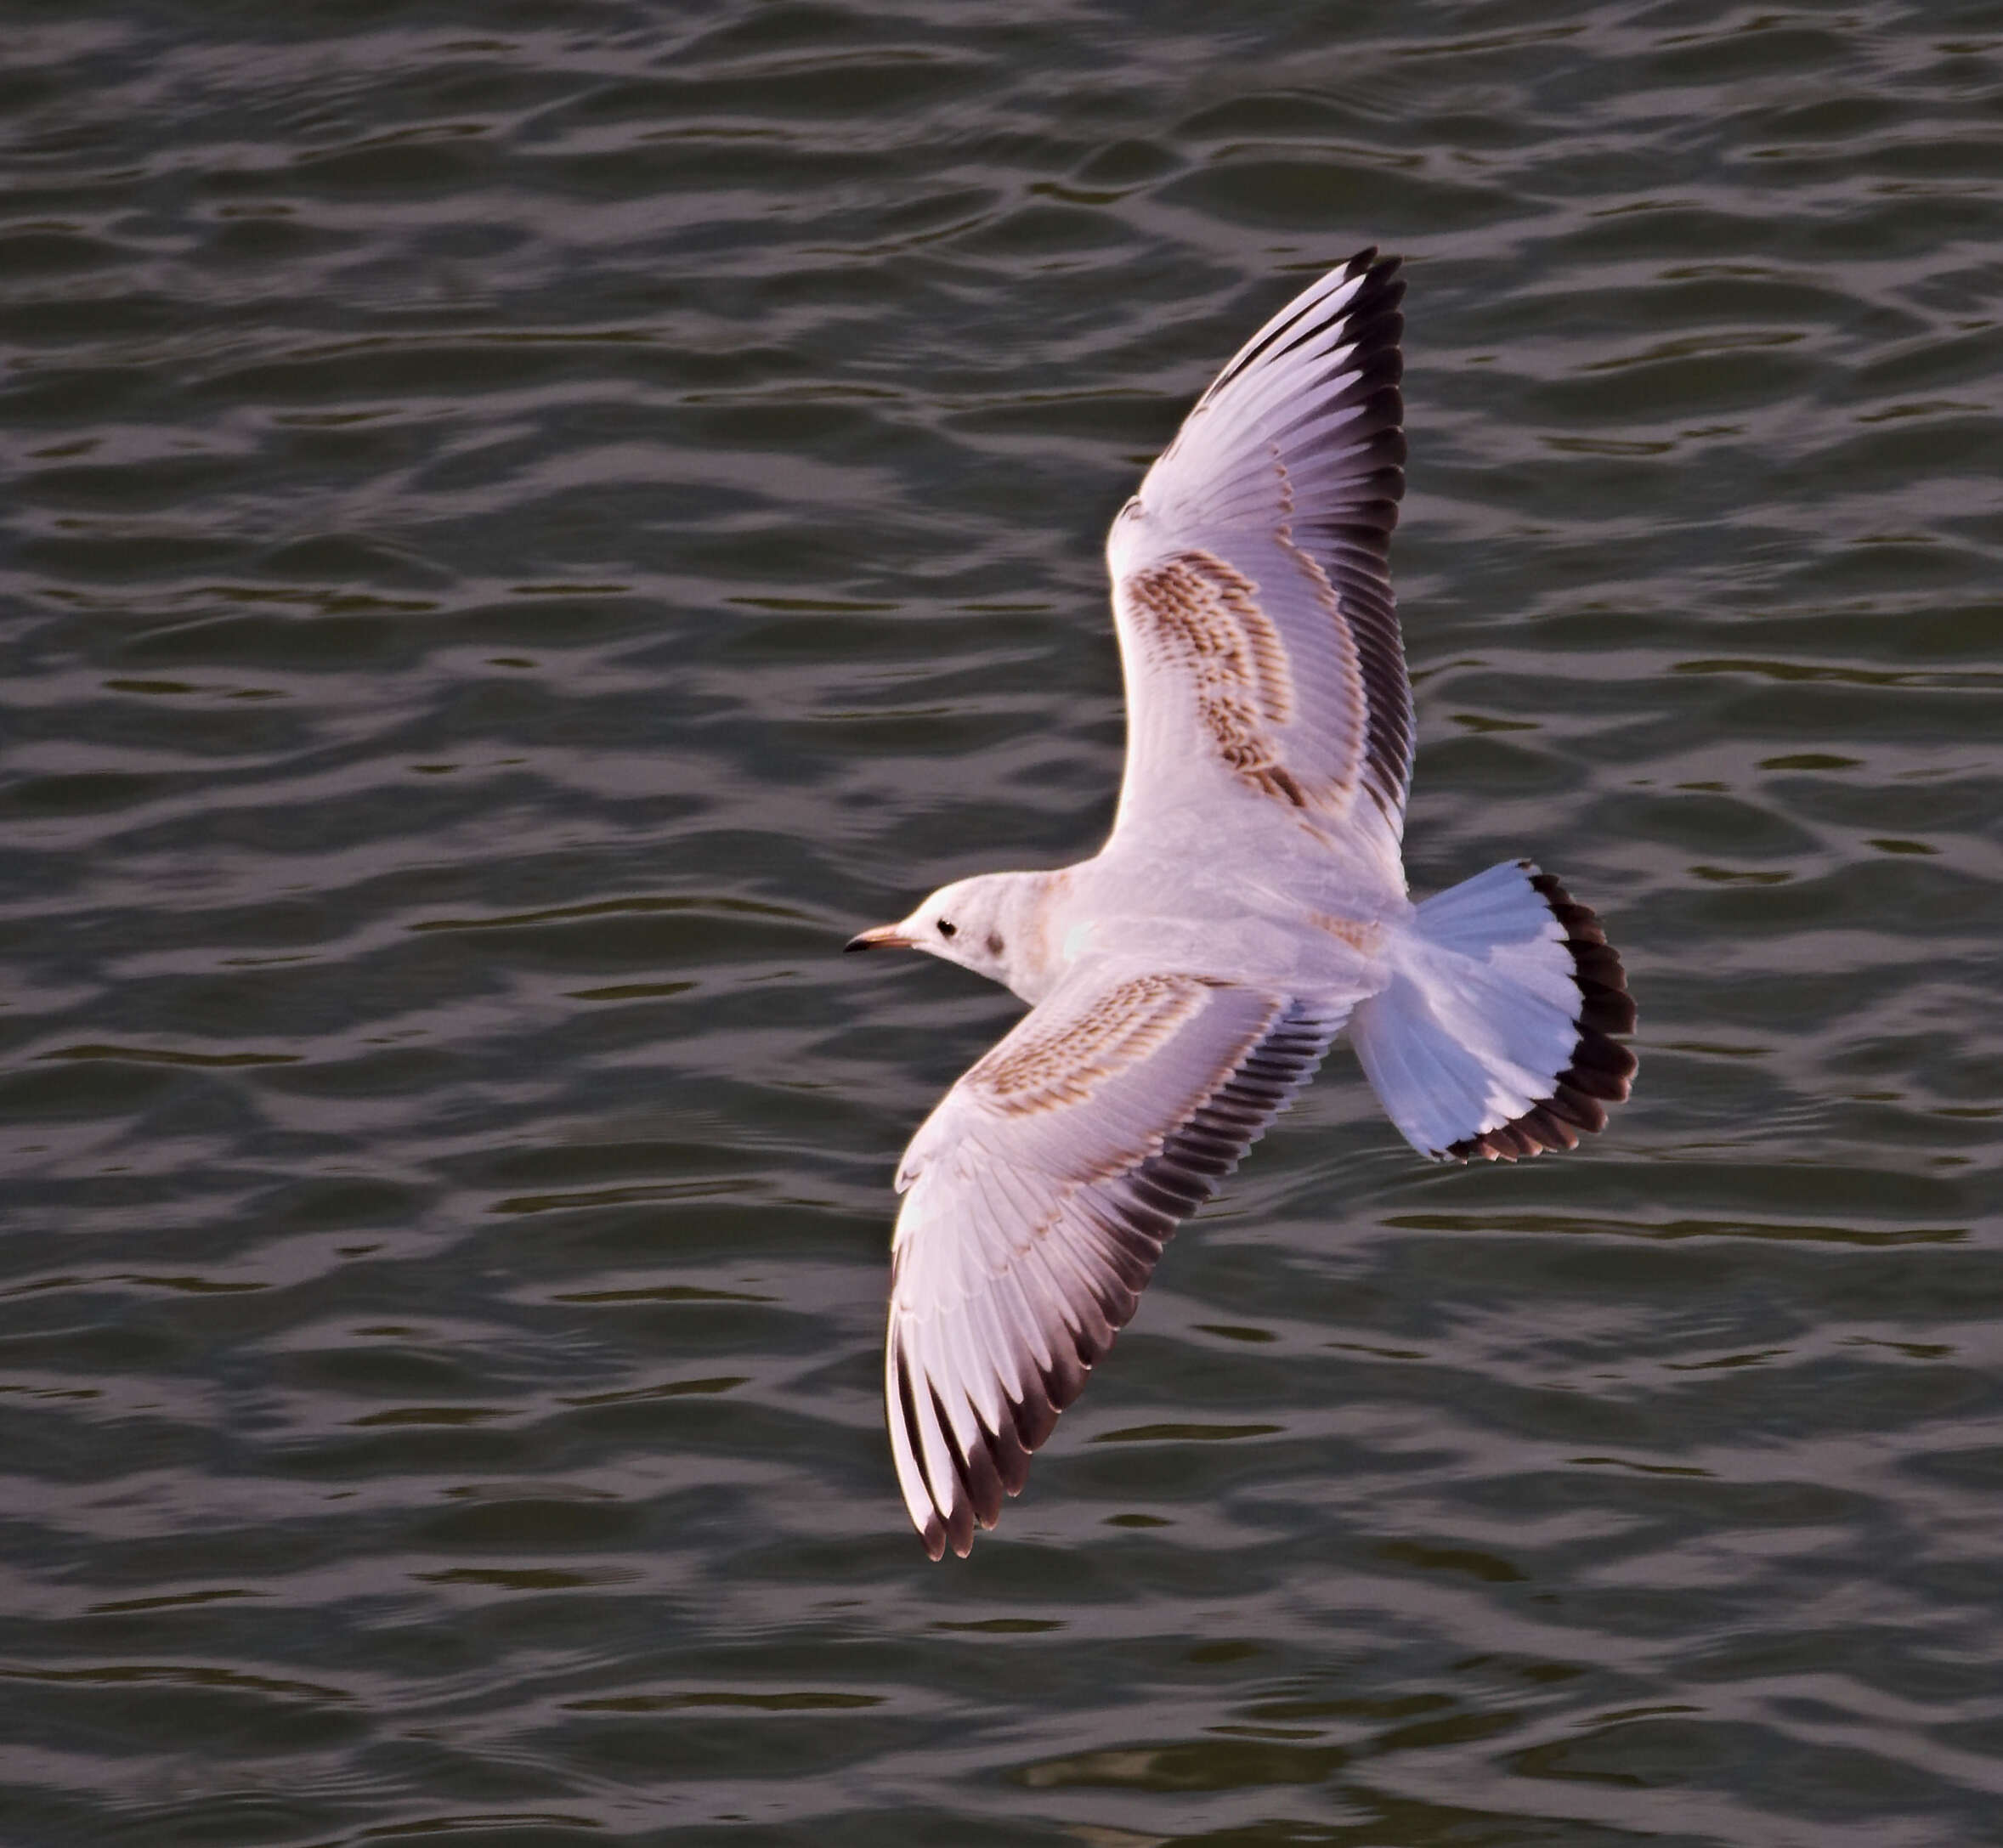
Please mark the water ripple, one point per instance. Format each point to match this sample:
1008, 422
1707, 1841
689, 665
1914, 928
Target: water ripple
525, 526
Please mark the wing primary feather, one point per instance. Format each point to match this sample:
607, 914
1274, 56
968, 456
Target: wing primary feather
933, 1452
946, 1370
1112, 1301
1330, 297
1034, 1344
982, 1381
903, 1423
984, 1319
959, 1505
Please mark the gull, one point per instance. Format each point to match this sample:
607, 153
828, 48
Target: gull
1250, 902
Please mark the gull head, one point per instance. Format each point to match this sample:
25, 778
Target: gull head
992, 923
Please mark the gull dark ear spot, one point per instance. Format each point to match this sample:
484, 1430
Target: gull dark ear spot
994, 943
948, 928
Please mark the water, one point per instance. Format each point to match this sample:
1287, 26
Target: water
527, 523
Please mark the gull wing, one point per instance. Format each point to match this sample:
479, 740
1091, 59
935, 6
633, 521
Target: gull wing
1037, 1197
1259, 635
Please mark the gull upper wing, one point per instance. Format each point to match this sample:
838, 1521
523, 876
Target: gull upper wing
1251, 584
1037, 1197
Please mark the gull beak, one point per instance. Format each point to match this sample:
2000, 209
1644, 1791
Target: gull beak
883, 937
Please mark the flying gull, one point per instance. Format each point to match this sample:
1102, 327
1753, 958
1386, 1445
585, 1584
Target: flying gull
1185, 983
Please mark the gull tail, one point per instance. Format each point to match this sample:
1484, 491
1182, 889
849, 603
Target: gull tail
1492, 1037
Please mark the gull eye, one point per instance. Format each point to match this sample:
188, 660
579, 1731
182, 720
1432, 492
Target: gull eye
948, 928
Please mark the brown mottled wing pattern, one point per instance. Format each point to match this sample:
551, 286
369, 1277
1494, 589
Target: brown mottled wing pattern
1252, 583
1037, 1200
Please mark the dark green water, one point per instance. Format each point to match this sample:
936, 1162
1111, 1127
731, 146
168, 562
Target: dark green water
526, 523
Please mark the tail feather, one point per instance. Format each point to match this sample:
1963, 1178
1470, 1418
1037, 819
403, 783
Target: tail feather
1494, 1036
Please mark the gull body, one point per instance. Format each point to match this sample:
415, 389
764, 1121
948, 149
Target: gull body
1266, 921
1250, 903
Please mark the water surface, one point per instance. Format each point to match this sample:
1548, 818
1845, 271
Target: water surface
526, 523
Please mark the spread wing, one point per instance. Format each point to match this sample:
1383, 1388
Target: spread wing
1257, 631
1037, 1197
